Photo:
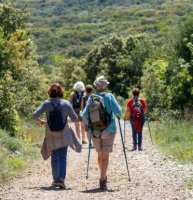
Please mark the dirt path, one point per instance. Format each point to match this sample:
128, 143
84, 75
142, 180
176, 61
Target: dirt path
153, 177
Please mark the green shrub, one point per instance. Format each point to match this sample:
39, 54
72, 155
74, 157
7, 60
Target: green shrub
9, 116
15, 163
10, 143
13, 145
16, 154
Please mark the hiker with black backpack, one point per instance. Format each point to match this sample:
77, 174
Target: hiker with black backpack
55, 143
135, 112
100, 112
88, 93
75, 100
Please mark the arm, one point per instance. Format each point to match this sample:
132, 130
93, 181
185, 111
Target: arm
72, 114
71, 98
85, 112
36, 114
145, 108
115, 107
127, 114
82, 103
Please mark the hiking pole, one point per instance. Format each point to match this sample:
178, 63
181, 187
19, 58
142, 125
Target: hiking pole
124, 129
124, 148
149, 130
89, 147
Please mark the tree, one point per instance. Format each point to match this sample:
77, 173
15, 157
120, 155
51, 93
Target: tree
153, 84
68, 73
179, 75
120, 61
22, 83
12, 18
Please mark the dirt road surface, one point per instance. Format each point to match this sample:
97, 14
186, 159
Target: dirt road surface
153, 177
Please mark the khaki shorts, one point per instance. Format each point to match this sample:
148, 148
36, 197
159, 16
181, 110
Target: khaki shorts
103, 142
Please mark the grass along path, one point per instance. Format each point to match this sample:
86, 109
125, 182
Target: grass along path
175, 138
153, 177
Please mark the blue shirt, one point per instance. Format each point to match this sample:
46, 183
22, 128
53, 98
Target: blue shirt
111, 106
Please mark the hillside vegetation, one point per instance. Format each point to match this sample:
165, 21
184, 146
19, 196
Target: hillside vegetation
72, 28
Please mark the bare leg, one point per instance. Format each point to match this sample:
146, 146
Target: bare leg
88, 135
83, 131
104, 164
100, 160
77, 129
103, 161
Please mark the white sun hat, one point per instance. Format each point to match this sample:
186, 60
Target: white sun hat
101, 81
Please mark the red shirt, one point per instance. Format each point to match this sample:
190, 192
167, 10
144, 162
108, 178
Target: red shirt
130, 103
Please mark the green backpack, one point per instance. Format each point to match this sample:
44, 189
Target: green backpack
98, 117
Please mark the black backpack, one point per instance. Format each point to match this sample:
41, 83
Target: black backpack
55, 119
77, 98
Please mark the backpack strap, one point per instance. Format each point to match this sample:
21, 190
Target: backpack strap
111, 113
55, 108
135, 99
103, 94
74, 95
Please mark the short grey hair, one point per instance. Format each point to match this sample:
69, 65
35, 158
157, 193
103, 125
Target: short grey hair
79, 86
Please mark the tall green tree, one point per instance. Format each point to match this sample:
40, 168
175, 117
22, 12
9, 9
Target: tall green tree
153, 84
120, 61
12, 18
70, 72
22, 83
179, 74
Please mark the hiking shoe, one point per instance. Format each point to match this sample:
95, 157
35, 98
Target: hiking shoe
54, 182
134, 148
59, 183
139, 148
84, 142
103, 184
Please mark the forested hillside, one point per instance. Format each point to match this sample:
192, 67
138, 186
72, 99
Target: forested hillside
72, 28
76, 40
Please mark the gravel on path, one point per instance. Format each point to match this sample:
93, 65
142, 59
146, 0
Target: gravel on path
153, 177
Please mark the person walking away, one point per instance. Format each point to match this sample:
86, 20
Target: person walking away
102, 126
75, 100
57, 111
89, 92
135, 110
